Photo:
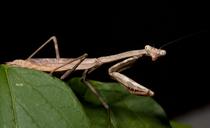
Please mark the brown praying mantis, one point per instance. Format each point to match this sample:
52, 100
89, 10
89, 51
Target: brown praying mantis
90, 64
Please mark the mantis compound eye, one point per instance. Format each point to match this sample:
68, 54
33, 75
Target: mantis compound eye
162, 52
147, 47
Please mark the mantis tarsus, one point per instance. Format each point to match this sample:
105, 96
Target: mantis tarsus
90, 64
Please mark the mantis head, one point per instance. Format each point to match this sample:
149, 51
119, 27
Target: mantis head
154, 52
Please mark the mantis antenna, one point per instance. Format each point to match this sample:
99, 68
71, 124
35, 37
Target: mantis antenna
181, 38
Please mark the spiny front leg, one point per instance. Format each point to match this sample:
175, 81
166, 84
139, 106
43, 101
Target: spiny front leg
132, 86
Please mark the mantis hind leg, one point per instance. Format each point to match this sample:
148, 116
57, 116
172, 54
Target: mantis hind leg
54, 40
51, 39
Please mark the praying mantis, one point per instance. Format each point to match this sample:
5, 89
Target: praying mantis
90, 64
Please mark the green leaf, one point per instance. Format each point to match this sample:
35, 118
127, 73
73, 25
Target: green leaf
127, 111
33, 99
179, 125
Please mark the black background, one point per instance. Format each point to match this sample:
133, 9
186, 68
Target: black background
180, 79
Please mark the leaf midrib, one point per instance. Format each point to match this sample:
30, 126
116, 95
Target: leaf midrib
12, 99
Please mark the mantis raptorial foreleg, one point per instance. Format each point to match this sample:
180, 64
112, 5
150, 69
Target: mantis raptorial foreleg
132, 86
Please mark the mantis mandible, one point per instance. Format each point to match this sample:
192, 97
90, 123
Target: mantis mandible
90, 64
